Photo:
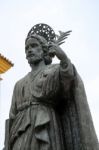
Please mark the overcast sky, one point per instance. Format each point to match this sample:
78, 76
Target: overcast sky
82, 46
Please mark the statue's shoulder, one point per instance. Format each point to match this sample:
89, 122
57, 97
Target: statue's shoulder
22, 80
51, 68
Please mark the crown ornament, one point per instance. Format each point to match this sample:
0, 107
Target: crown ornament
48, 33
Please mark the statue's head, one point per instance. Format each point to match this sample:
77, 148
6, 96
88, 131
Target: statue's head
38, 41
36, 48
36, 44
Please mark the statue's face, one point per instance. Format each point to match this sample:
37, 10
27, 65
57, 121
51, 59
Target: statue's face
34, 52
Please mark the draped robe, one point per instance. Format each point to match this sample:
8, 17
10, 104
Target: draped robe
49, 111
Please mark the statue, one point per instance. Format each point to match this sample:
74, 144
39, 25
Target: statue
49, 110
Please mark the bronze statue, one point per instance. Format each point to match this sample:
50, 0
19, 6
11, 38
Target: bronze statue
49, 110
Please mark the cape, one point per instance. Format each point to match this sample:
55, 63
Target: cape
77, 124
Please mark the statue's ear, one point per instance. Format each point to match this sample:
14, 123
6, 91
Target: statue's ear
47, 59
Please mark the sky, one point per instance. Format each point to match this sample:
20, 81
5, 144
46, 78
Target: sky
82, 46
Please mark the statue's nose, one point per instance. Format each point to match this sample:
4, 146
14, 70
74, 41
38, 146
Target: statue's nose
31, 50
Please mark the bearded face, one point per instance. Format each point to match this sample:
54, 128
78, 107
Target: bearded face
33, 50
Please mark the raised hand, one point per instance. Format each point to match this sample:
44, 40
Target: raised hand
55, 50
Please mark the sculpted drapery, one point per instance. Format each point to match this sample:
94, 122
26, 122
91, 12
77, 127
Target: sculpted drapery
49, 109
37, 123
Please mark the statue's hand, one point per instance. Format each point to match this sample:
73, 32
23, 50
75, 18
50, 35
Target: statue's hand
55, 50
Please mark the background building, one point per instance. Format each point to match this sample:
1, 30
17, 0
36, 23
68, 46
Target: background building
5, 65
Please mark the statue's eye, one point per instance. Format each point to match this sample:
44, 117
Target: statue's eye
34, 45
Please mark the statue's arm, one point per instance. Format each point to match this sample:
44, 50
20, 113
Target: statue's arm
67, 75
66, 69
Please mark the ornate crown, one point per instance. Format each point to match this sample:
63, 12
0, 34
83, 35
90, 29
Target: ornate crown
48, 33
